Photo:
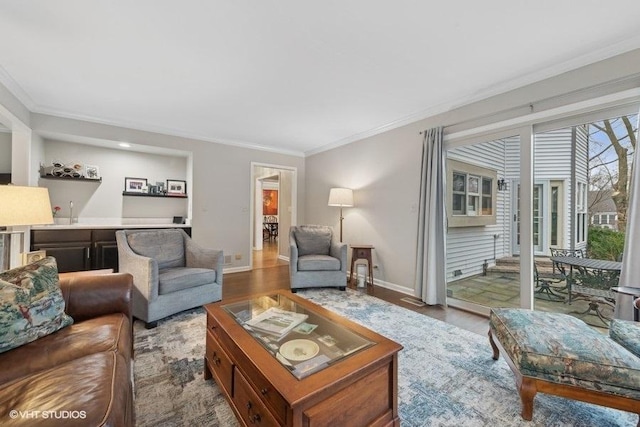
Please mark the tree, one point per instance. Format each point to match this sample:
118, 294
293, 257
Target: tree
612, 143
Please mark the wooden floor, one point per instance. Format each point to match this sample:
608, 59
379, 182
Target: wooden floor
263, 278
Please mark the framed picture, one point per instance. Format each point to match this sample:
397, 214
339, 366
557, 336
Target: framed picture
270, 202
29, 257
135, 185
91, 172
176, 187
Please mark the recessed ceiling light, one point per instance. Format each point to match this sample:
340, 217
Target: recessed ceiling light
125, 145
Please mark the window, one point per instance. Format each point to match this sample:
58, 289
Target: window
471, 196
459, 193
581, 212
487, 196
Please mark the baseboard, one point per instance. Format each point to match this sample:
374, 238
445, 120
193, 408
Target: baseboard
394, 287
283, 258
236, 269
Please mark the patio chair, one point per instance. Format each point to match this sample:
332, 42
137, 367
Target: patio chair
545, 282
578, 253
594, 286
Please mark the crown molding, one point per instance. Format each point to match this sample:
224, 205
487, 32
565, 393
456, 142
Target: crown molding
162, 131
594, 56
16, 90
597, 55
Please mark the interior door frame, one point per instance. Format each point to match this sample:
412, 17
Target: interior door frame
252, 201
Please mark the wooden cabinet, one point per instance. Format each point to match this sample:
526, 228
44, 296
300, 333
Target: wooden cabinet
360, 390
80, 249
70, 248
105, 249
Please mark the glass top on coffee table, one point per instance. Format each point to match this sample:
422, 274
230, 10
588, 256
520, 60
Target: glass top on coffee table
302, 340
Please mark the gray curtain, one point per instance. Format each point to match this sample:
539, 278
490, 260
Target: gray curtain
431, 286
630, 267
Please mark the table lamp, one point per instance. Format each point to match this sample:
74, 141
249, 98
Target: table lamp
342, 197
21, 206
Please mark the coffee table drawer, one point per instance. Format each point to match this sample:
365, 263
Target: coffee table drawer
219, 363
212, 325
268, 394
251, 408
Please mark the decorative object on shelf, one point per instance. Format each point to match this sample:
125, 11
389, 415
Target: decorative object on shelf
91, 172
55, 211
72, 171
135, 185
342, 197
69, 170
160, 186
33, 256
176, 187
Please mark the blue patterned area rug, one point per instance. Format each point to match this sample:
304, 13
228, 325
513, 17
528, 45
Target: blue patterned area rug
446, 375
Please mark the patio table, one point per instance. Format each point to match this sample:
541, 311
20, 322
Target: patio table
601, 283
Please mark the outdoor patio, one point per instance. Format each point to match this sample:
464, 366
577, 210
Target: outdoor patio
503, 290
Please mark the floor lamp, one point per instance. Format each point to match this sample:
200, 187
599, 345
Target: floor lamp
21, 206
342, 197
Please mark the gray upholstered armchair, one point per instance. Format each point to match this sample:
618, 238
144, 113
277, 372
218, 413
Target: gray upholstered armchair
316, 260
171, 273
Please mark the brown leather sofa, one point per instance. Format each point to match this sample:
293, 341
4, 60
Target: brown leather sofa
80, 375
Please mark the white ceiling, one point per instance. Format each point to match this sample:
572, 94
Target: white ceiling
294, 76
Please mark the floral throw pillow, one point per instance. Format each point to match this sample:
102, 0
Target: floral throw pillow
31, 304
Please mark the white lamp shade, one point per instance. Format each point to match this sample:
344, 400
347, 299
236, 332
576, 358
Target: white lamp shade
24, 206
342, 197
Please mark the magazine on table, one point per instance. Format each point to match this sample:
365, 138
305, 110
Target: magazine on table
276, 321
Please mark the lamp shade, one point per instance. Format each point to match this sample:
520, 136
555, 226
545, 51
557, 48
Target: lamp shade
342, 197
24, 206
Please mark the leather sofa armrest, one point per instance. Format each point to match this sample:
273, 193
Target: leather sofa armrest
87, 296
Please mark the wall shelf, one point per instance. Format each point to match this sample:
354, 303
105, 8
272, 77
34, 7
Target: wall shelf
166, 196
70, 178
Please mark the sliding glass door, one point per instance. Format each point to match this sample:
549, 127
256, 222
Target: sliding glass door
515, 198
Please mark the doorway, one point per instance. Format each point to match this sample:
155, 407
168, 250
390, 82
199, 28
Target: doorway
273, 198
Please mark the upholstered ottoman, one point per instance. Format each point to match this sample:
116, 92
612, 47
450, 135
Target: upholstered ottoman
559, 354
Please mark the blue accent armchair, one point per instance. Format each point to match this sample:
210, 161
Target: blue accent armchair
171, 273
316, 260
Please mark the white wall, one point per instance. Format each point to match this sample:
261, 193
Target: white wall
384, 169
5, 152
220, 193
104, 199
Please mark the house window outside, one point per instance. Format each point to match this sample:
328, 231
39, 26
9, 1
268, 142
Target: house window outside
471, 195
554, 215
487, 196
581, 212
459, 194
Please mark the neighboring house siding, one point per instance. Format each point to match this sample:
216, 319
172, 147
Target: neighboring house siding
469, 247
582, 176
553, 163
555, 152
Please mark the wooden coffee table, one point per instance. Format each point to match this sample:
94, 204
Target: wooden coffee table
335, 372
